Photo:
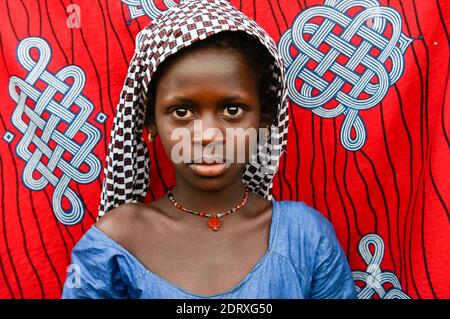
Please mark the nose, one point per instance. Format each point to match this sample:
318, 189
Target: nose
208, 130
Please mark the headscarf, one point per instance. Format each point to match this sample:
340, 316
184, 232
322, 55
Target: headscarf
127, 167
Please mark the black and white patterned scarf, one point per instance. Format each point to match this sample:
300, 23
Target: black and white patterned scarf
127, 164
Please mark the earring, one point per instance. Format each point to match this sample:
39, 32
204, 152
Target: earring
150, 137
267, 132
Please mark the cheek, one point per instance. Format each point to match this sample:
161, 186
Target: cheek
243, 145
245, 139
176, 141
165, 131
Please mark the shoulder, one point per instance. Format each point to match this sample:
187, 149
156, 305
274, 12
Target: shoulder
301, 234
100, 266
313, 247
110, 237
303, 219
108, 233
102, 250
117, 222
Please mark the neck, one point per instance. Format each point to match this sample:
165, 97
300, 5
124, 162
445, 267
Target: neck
203, 200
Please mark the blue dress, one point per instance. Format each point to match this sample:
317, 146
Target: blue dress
304, 260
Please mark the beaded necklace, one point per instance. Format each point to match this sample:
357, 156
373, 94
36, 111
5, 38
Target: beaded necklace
213, 220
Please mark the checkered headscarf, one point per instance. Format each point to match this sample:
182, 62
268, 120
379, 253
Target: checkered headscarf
127, 164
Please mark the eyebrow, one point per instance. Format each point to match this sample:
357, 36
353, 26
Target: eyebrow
227, 99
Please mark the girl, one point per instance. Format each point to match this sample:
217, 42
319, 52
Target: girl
218, 233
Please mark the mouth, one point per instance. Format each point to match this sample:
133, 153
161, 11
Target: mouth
209, 167
209, 160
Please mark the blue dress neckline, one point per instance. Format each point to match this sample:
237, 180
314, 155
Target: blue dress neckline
261, 261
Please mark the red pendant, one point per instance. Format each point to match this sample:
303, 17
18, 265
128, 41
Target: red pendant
214, 223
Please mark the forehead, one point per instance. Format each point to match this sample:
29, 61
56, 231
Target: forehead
207, 68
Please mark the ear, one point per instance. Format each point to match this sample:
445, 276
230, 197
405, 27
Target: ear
265, 120
152, 128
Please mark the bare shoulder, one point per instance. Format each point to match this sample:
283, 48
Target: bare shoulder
119, 222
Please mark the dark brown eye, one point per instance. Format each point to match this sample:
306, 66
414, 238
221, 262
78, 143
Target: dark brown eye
233, 111
182, 113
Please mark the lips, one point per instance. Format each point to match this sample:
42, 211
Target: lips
215, 167
210, 170
209, 160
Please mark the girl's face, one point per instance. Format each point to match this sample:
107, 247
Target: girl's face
218, 90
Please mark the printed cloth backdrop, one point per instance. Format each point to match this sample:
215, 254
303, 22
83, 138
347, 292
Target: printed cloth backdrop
368, 138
